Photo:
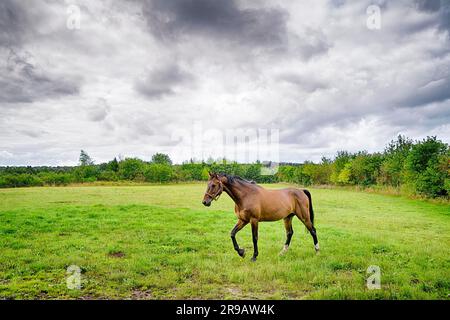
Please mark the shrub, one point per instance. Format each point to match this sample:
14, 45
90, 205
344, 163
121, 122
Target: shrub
345, 174
131, 168
108, 175
161, 158
20, 180
427, 167
54, 178
157, 172
365, 168
85, 173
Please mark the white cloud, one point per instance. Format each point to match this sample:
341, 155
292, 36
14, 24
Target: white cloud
5, 154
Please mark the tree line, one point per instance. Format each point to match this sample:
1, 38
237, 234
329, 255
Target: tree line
413, 167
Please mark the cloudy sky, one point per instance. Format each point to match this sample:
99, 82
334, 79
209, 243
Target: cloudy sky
128, 77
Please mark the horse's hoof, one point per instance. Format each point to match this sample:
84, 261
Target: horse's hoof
316, 247
284, 250
253, 259
241, 252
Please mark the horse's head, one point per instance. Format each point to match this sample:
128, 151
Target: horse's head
214, 189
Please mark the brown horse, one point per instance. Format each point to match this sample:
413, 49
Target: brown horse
253, 204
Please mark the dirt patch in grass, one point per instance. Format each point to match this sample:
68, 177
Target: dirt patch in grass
138, 294
116, 254
234, 291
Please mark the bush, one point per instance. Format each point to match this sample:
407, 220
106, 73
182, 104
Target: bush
131, 168
300, 177
286, 173
161, 158
20, 180
392, 168
191, 171
427, 167
340, 162
53, 178
253, 172
365, 168
85, 173
317, 173
345, 174
205, 174
108, 175
156, 172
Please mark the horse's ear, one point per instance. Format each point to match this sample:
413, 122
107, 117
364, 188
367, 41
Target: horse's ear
211, 174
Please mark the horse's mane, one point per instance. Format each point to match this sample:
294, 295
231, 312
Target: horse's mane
232, 179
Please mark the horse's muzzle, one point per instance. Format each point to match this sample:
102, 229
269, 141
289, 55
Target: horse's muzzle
206, 203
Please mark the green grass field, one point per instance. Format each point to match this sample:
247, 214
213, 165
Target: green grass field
159, 242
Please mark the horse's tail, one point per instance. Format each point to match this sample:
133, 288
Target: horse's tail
311, 211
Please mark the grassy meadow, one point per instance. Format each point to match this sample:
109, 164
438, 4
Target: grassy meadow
160, 242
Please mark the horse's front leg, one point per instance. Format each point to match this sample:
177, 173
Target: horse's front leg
239, 225
254, 224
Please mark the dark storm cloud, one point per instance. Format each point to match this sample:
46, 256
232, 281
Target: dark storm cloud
433, 91
19, 21
13, 23
99, 111
444, 17
218, 20
22, 81
429, 5
162, 81
441, 8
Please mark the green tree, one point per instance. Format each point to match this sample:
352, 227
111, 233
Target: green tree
86, 173
131, 168
113, 165
339, 163
161, 158
85, 159
365, 168
300, 177
318, 173
392, 168
253, 172
286, 173
205, 174
427, 167
158, 172
345, 174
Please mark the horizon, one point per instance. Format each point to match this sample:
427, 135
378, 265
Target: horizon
228, 161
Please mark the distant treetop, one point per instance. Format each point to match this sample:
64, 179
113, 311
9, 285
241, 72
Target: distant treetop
161, 158
85, 159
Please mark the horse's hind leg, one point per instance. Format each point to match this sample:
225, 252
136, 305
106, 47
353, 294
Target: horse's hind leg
305, 218
313, 233
289, 233
254, 224
239, 225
